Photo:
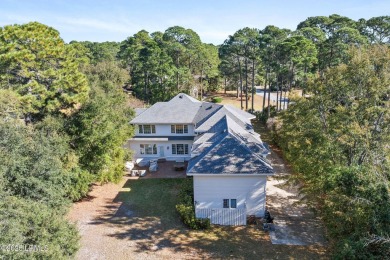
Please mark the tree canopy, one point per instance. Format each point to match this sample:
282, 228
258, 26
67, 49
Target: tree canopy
41, 69
63, 122
337, 141
162, 64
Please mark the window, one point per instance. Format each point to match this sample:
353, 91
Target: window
179, 148
147, 129
232, 204
179, 129
148, 148
225, 203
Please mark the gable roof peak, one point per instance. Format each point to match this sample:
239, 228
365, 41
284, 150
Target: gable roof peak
184, 97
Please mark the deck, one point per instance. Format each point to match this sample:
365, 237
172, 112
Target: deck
166, 169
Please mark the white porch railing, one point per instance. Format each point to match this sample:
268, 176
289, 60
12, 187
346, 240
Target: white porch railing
222, 216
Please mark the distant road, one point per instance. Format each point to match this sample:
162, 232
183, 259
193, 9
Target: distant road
273, 97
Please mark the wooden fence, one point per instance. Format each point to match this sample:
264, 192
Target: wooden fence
221, 216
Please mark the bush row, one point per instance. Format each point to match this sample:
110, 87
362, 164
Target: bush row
187, 215
186, 208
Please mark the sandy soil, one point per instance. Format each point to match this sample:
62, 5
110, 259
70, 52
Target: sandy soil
101, 218
230, 99
295, 223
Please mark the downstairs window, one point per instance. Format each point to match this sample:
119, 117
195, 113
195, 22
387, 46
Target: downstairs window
148, 148
230, 203
179, 148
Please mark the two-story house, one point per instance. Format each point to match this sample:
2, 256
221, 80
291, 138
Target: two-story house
226, 157
166, 129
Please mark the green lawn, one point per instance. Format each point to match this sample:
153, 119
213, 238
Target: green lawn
153, 198
148, 216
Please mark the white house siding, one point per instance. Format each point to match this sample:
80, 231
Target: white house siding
163, 131
249, 190
165, 145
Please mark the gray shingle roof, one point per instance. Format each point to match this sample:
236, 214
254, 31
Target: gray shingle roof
239, 112
179, 110
139, 111
205, 126
206, 140
229, 157
183, 109
228, 149
205, 111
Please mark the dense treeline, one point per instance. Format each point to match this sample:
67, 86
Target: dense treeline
63, 121
337, 136
280, 59
338, 143
162, 64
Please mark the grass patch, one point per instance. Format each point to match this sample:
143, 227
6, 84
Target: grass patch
261, 129
153, 198
216, 100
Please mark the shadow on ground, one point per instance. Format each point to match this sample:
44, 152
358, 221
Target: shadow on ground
295, 223
144, 214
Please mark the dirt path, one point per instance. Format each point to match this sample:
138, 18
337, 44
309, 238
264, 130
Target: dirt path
295, 223
84, 214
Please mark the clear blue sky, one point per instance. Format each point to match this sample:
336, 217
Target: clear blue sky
213, 20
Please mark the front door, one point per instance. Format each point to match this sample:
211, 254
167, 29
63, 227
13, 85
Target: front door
161, 151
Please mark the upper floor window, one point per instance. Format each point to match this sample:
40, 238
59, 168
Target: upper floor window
147, 129
179, 129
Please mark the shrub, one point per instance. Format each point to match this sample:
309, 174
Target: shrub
187, 215
29, 222
262, 116
186, 209
186, 190
358, 248
216, 100
79, 184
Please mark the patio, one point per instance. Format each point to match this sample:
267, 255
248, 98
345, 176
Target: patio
166, 169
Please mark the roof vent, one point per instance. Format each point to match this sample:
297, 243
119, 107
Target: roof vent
181, 96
